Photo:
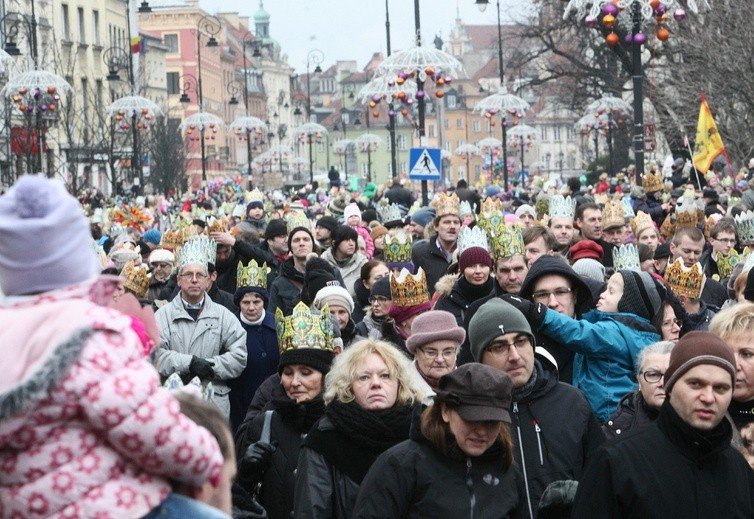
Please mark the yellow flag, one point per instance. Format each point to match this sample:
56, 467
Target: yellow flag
708, 143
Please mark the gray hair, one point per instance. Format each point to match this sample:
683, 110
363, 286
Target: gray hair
660, 347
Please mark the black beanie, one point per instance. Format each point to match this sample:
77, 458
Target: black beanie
242, 291
342, 233
313, 357
641, 295
381, 287
255, 204
294, 231
327, 222
749, 289
314, 281
276, 227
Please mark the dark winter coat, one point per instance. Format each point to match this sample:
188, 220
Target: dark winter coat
261, 362
259, 402
399, 195
456, 302
714, 293
633, 412
285, 292
428, 256
244, 252
700, 320
360, 301
651, 207
668, 469
554, 433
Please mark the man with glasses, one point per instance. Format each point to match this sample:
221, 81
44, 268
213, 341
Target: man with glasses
722, 236
198, 337
642, 407
552, 425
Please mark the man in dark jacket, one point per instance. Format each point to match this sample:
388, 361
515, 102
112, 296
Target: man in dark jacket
285, 291
397, 194
684, 466
553, 427
435, 254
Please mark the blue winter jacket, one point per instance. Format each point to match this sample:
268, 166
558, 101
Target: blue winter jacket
607, 346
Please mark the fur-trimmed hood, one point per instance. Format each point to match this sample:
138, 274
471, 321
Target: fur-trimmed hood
444, 285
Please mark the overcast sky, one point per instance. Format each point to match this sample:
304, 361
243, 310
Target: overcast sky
354, 29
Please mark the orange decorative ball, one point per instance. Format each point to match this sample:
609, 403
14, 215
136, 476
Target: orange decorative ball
404, 112
376, 114
663, 34
654, 4
439, 93
612, 39
608, 20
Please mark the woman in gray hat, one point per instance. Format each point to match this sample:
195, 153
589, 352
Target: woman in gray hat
434, 342
459, 463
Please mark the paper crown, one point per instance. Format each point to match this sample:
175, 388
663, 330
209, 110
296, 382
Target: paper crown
628, 209
562, 207
252, 275
507, 241
253, 196
466, 208
626, 257
199, 250
491, 205
221, 224
398, 248
726, 264
667, 229
408, 289
135, 278
745, 227
415, 207
685, 281
489, 220
445, 205
389, 213
685, 214
613, 215
304, 329
474, 237
640, 223
173, 239
175, 384
651, 181
297, 219
709, 223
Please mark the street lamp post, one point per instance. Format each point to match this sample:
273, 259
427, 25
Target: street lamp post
211, 25
315, 57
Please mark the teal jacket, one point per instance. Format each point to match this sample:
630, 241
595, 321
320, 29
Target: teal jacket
607, 346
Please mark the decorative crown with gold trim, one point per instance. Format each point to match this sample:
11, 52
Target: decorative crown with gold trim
562, 207
613, 215
253, 196
685, 281
252, 275
506, 241
135, 278
652, 181
198, 250
297, 219
726, 264
489, 220
667, 229
445, 205
221, 224
626, 257
398, 248
389, 213
745, 227
710, 222
641, 222
472, 237
304, 328
491, 205
685, 214
414, 207
408, 289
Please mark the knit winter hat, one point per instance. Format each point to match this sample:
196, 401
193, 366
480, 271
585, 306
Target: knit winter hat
315, 280
342, 233
276, 227
333, 295
381, 287
526, 209
351, 210
473, 256
378, 231
642, 294
435, 325
45, 242
423, 216
696, 348
586, 249
327, 222
242, 291
590, 268
254, 204
296, 230
493, 319
318, 359
152, 236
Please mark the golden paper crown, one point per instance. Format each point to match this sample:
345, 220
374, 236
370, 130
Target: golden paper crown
489, 220
253, 196
252, 275
297, 219
667, 229
219, 224
684, 281
304, 328
709, 223
626, 257
474, 237
507, 241
613, 215
491, 205
562, 207
726, 264
685, 214
446, 205
174, 238
651, 181
135, 278
641, 222
398, 248
408, 289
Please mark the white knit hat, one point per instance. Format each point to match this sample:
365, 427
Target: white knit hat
351, 210
333, 296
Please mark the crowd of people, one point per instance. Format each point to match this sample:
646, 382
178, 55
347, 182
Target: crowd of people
546, 351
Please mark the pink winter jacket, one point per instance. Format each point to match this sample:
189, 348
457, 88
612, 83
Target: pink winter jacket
85, 428
368, 242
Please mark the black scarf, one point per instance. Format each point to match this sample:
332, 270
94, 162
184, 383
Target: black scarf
359, 436
693, 443
524, 391
300, 416
473, 292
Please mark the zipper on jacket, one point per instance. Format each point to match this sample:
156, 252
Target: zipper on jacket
470, 486
538, 430
523, 459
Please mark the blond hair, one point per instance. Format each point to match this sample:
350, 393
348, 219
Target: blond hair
734, 320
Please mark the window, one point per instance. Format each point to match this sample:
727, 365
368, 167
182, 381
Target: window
95, 27
459, 123
66, 23
321, 147
557, 133
82, 26
543, 133
446, 124
476, 126
98, 94
401, 142
171, 42
85, 97
431, 131
569, 133
173, 83
446, 147
452, 101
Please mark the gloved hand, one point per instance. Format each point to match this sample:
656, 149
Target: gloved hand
534, 312
202, 368
254, 463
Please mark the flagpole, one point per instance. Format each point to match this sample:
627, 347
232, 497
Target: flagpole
693, 165
727, 161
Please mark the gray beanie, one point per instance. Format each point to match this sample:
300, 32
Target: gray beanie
641, 294
493, 319
45, 241
590, 268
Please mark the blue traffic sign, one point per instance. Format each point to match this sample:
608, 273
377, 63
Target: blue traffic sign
424, 163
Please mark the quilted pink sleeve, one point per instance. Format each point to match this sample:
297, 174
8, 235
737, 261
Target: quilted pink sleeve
121, 396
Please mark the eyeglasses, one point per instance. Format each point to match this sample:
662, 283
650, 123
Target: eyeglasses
653, 377
432, 354
378, 299
670, 322
194, 275
543, 296
725, 240
504, 347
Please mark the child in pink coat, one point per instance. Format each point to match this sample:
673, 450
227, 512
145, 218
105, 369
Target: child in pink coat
352, 218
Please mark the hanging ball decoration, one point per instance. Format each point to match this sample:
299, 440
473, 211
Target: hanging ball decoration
376, 114
663, 34
390, 82
608, 20
661, 9
591, 22
404, 112
429, 71
628, 38
654, 4
372, 104
448, 80
440, 82
611, 9
376, 98
640, 38
391, 113
612, 39
420, 94
679, 15
51, 90
440, 93
23, 91
400, 80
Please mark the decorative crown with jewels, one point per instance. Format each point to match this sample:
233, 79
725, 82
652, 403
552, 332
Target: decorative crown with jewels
641, 222
398, 248
628, 209
304, 328
135, 278
297, 219
221, 224
506, 241
491, 205
472, 237
445, 205
199, 250
408, 289
252, 275
389, 213
467, 208
745, 227
726, 264
652, 181
626, 257
685, 281
613, 215
562, 207
489, 220
667, 229
685, 214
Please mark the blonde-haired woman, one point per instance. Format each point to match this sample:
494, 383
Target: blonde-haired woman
370, 394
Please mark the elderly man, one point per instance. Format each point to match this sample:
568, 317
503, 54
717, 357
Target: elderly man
684, 466
554, 430
161, 261
198, 337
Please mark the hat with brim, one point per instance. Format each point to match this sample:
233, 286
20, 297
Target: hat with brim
478, 392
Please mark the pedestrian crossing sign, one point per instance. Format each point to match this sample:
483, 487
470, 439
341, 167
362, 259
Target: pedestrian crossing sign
425, 164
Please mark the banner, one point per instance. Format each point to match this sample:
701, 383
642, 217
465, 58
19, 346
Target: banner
708, 145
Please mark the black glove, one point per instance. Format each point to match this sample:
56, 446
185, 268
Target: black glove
202, 368
255, 461
534, 312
